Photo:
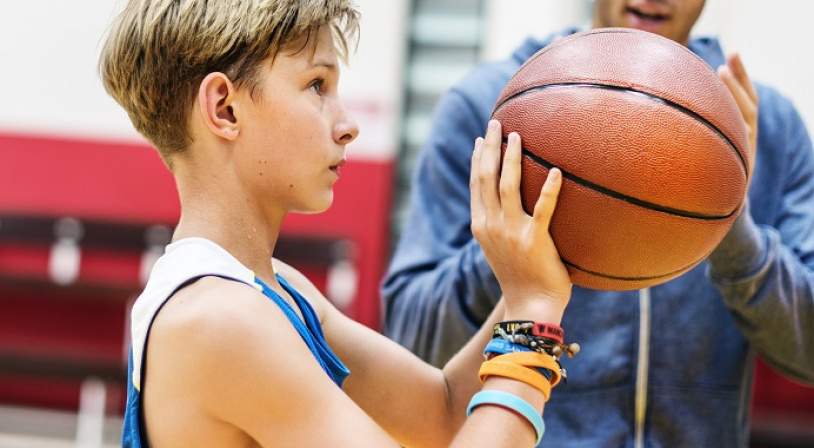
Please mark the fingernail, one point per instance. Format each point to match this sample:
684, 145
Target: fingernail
493, 125
554, 173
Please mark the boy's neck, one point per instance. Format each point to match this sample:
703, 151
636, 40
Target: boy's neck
223, 214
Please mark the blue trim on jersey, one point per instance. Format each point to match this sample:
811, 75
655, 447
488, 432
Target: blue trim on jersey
131, 430
310, 330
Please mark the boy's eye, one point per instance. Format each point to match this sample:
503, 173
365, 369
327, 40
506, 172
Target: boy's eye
317, 85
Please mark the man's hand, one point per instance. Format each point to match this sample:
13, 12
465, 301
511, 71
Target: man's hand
519, 248
734, 75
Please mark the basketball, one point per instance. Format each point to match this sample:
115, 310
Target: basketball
652, 147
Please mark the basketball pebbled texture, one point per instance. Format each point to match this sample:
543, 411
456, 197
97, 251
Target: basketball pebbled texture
651, 145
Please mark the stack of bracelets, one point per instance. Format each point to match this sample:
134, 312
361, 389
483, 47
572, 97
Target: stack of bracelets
528, 352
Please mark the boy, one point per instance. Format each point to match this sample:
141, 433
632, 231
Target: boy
233, 348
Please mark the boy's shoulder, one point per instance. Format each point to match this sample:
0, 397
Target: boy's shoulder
212, 311
217, 318
214, 320
211, 302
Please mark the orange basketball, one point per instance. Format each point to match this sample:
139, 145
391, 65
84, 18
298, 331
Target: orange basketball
651, 145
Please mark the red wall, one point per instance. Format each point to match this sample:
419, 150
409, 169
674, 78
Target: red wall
125, 183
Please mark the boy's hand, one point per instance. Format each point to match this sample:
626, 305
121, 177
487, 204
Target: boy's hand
518, 247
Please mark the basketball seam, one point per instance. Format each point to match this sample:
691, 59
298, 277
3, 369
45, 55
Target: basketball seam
651, 96
581, 34
633, 279
623, 197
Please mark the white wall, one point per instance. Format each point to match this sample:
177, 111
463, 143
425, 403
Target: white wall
372, 84
774, 38
49, 52
510, 22
775, 41
50, 85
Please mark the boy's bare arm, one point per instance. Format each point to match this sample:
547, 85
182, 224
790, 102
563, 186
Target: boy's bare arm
404, 395
418, 404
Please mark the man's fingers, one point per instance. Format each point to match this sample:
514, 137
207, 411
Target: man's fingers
735, 64
745, 103
547, 201
510, 177
488, 170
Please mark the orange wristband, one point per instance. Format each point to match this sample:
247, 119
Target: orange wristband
535, 359
511, 370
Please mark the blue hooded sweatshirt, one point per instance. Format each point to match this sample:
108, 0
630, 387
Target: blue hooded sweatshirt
668, 366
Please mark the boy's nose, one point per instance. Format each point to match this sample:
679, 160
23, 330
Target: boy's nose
346, 131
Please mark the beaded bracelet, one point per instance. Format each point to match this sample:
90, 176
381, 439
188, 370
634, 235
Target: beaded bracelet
530, 328
533, 335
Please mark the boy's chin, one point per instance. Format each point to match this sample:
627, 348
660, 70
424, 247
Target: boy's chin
317, 205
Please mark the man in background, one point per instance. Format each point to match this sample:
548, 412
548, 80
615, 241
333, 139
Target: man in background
666, 366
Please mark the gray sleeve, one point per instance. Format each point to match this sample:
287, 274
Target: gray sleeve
766, 273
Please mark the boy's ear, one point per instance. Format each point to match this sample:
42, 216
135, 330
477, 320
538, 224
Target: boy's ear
216, 98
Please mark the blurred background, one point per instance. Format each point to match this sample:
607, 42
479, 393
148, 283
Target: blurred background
86, 206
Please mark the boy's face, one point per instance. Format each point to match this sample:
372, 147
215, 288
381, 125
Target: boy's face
294, 130
672, 19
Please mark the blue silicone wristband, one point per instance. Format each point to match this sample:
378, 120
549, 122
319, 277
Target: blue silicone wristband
502, 347
509, 401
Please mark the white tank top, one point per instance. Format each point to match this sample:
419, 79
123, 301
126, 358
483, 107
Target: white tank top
183, 260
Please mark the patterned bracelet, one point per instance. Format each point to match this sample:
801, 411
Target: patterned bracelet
539, 337
530, 328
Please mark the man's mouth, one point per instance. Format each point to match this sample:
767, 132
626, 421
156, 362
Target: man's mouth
645, 18
646, 11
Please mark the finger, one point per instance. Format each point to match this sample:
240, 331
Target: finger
510, 177
488, 170
547, 202
475, 200
747, 107
735, 64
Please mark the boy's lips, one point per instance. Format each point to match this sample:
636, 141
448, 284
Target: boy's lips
337, 166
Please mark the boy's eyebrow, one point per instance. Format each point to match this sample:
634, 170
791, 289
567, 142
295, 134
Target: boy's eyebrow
327, 64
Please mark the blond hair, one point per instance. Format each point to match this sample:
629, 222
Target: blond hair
158, 52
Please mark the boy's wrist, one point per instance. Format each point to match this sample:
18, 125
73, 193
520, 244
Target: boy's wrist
537, 309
